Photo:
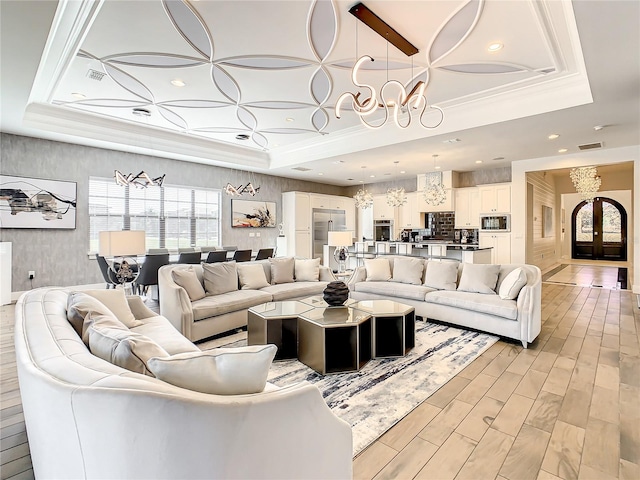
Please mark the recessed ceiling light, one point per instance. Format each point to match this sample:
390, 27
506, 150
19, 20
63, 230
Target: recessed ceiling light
598, 127
289, 119
242, 136
437, 167
372, 176
494, 47
320, 173
177, 83
276, 144
553, 136
562, 150
361, 181
78, 95
402, 171
478, 161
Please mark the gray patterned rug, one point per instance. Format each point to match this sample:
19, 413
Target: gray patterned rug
386, 390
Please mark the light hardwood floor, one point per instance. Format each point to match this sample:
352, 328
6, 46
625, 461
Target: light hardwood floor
566, 407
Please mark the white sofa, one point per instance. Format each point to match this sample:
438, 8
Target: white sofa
519, 319
87, 418
216, 314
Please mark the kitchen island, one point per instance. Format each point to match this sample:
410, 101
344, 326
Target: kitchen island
465, 253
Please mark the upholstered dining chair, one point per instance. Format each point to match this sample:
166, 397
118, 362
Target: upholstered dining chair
149, 272
107, 273
186, 250
217, 256
242, 255
189, 257
264, 253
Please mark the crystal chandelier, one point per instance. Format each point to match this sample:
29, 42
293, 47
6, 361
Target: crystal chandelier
587, 182
434, 192
396, 197
362, 197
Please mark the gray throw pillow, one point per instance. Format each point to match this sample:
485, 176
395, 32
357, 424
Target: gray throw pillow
282, 270
251, 276
188, 279
479, 278
441, 275
220, 277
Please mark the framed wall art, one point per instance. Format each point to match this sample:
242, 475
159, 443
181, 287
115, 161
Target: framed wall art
252, 214
37, 203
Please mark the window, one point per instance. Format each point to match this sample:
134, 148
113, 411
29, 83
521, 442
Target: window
171, 216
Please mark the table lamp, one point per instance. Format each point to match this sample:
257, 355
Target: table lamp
341, 240
125, 245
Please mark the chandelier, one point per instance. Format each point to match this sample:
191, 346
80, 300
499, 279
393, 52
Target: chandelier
232, 191
396, 197
586, 181
434, 192
141, 180
362, 197
392, 98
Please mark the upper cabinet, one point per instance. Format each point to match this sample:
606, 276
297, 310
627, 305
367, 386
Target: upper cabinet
467, 208
410, 215
495, 198
381, 209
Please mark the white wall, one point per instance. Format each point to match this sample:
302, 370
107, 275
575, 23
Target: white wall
571, 200
580, 159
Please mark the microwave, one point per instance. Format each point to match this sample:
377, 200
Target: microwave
495, 223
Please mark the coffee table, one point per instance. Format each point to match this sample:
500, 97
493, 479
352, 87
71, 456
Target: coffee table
334, 339
393, 326
276, 323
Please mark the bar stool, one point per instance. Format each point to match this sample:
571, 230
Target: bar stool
404, 248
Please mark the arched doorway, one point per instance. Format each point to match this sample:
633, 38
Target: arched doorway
599, 230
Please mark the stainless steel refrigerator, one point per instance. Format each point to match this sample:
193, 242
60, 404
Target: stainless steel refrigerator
325, 221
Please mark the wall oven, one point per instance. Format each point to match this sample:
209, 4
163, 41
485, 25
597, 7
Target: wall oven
495, 223
382, 230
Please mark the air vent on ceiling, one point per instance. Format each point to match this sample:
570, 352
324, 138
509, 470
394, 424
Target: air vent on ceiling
589, 146
141, 112
301, 169
242, 136
95, 75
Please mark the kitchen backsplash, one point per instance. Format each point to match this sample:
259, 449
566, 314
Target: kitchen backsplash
472, 235
439, 226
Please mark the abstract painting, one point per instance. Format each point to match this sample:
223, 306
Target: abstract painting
253, 214
37, 203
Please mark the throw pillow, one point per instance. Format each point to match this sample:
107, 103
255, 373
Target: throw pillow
188, 279
220, 277
79, 305
441, 275
282, 270
116, 301
251, 276
222, 371
407, 270
512, 284
123, 348
479, 278
378, 269
307, 270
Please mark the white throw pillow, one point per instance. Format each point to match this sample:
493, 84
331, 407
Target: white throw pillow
378, 269
479, 278
407, 270
79, 305
512, 284
116, 301
222, 371
252, 276
188, 279
307, 270
220, 277
282, 270
441, 275
123, 348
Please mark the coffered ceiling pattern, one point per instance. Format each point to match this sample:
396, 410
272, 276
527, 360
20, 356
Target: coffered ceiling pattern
267, 74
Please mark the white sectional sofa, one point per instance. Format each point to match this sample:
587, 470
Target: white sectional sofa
436, 297
88, 418
214, 313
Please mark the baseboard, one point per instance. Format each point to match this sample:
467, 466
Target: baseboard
92, 286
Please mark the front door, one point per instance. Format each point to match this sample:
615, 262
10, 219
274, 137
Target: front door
599, 230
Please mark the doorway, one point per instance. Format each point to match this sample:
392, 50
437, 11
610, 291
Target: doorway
599, 230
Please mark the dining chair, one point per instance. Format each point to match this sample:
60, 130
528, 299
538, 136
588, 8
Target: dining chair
217, 256
157, 251
149, 272
264, 253
242, 255
230, 248
107, 273
186, 250
190, 257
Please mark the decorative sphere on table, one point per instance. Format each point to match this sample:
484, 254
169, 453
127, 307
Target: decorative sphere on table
336, 293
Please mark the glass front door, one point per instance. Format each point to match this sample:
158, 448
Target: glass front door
599, 230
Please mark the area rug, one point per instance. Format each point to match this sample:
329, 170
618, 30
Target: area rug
386, 390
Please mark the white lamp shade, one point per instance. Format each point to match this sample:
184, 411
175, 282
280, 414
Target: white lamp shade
122, 242
340, 239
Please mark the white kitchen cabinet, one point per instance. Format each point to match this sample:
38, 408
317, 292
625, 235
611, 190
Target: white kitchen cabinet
302, 244
495, 198
332, 202
467, 208
296, 215
365, 223
381, 209
500, 244
410, 215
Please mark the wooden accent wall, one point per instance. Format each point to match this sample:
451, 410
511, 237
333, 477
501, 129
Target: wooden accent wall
544, 252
